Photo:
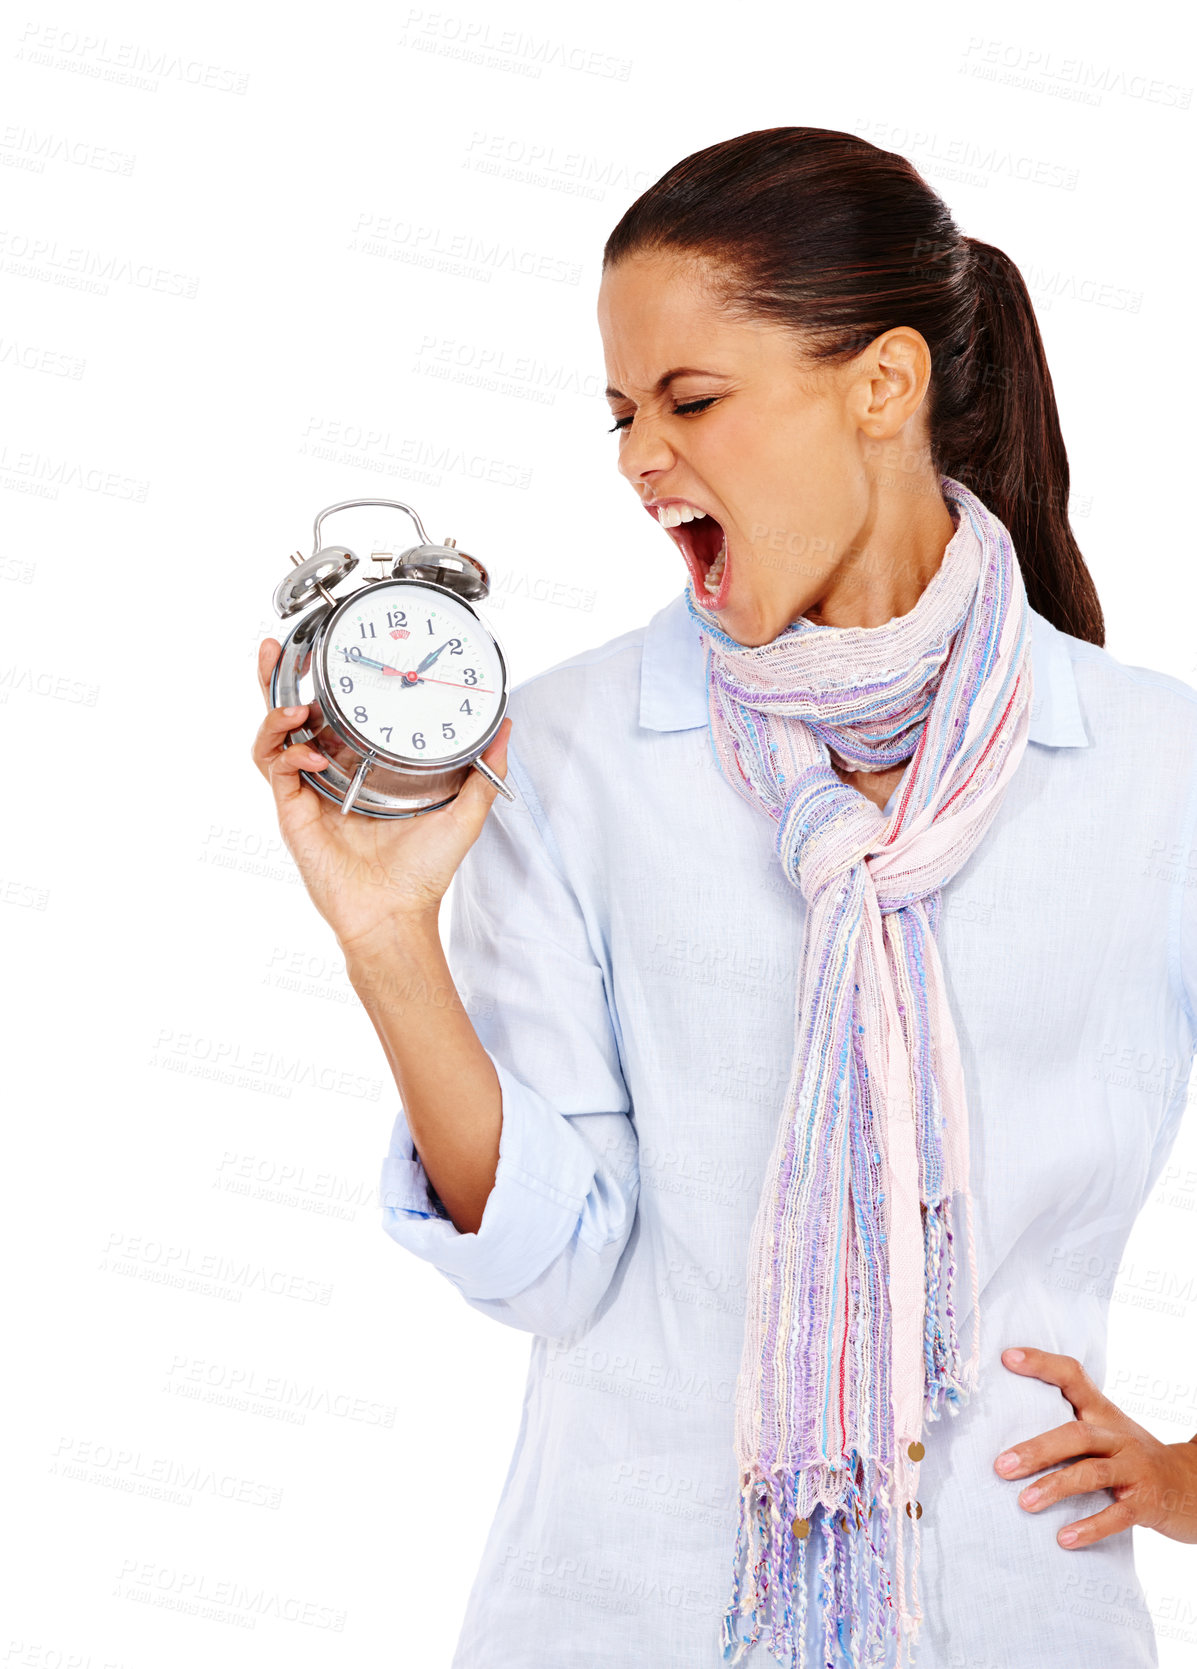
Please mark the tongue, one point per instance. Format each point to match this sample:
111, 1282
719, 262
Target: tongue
706, 539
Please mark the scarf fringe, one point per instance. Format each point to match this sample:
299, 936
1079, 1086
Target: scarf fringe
863, 1604
865, 1576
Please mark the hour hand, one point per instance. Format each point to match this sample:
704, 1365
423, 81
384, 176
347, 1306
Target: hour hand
431, 656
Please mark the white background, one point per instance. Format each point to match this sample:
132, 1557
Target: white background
255, 261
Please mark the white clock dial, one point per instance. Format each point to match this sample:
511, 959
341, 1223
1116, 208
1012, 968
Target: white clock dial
413, 671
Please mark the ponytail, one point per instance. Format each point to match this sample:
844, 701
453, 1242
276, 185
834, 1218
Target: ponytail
995, 428
840, 240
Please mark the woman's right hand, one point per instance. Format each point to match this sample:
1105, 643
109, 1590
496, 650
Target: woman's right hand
366, 875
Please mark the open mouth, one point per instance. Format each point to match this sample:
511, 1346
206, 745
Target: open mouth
702, 542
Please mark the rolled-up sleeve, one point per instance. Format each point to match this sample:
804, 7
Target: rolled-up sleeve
564, 1200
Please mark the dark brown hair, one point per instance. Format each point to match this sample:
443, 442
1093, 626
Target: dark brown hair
827, 233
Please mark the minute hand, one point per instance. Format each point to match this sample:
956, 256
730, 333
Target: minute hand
382, 666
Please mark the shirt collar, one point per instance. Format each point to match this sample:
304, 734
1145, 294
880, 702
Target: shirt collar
673, 690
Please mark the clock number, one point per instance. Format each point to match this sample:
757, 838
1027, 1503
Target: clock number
455, 646
353, 654
361, 715
385, 730
396, 617
417, 739
363, 626
346, 686
470, 676
431, 627
447, 730
466, 708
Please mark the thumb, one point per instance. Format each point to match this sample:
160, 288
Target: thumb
477, 795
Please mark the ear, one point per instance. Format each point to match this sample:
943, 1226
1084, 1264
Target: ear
895, 373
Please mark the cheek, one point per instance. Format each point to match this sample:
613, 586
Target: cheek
743, 459
788, 498
809, 437
786, 485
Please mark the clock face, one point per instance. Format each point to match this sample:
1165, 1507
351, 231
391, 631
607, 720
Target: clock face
413, 671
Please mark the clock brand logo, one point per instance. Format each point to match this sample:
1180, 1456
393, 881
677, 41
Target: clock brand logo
400, 631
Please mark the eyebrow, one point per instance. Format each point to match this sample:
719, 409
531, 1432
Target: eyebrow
663, 382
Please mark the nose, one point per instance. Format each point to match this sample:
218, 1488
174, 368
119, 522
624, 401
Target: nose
645, 453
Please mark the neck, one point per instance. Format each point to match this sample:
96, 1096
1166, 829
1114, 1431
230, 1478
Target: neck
890, 562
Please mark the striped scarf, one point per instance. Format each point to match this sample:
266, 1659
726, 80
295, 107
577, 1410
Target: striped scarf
851, 1340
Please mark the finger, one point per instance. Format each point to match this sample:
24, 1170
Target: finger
1063, 1371
301, 756
284, 770
272, 734
269, 651
1110, 1521
279, 761
1102, 1472
1066, 1442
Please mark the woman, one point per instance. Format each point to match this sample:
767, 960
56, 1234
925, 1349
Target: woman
777, 1090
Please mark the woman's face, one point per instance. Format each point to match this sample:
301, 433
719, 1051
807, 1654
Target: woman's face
728, 432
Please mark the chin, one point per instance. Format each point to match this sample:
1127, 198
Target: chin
751, 626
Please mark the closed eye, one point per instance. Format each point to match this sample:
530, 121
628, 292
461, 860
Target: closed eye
689, 409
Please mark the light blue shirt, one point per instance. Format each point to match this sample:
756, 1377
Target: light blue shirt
627, 947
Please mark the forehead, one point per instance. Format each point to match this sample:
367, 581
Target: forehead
663, 309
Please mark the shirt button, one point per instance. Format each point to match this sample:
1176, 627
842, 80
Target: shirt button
918, 1510
916, 1451
801, 1528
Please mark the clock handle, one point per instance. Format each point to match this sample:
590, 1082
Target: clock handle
367, 503
497, 781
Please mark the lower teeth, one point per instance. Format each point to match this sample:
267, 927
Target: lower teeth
714, 576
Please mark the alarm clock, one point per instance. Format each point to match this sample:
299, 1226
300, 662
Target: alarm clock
406, 683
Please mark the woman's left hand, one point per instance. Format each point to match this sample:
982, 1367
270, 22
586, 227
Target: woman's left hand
1152, 1483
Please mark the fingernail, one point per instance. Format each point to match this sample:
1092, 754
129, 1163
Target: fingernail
292, 712
1029, 1497
1067, 1538
1007, 1462
1015, 1356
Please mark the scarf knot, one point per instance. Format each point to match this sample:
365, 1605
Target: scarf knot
824, 830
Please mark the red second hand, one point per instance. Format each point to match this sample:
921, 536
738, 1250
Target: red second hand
413, 678
453, 684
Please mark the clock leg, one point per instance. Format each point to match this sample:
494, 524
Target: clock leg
354, 789
492, 778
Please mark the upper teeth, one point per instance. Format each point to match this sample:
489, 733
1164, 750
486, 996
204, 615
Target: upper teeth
671, 515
